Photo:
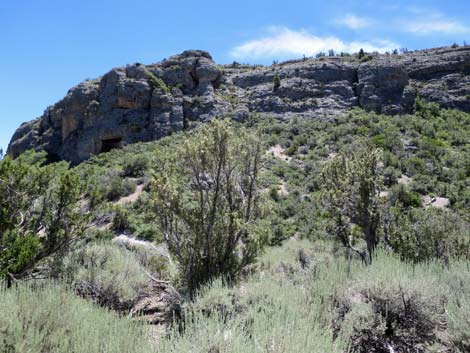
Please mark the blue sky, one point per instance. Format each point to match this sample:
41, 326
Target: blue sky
48, 46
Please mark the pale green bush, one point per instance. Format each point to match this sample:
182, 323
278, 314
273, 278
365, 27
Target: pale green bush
52, 319
335, 305
106, 273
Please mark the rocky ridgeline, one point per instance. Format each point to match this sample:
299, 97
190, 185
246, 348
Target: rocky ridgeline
145, 102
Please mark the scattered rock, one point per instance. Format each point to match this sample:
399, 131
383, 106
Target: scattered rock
135, 244
279, 152
160, 304
304, 259
283, 189
404, 180
437, 202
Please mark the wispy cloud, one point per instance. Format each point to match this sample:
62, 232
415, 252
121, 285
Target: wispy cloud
354, 22
428, 21
282, 42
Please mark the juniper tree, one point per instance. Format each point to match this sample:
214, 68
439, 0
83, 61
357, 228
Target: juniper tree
276, 82
207, 201
38, 213
352, 197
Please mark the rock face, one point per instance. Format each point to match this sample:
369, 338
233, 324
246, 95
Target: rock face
146, 102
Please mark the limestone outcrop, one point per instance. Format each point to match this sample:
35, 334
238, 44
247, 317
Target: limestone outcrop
146, 102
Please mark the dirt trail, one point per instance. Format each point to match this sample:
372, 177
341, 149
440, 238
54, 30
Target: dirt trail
132, 197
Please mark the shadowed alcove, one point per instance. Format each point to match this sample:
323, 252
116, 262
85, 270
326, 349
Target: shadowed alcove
110, 144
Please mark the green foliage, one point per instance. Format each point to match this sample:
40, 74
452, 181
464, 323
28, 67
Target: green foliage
19, 251
120, 219
38, 213
157, 82
108, 185
196, 101
338, 306
136, 166
424, 234
275, 312
276, 82
292, 150
50, 318
352, 188
136, 219
391, 175
207, 200
425, 110
399, 195
365, 58
106, 273
274, 192
393, 304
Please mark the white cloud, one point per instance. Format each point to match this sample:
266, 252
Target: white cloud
354, 22
282, 42
433, 22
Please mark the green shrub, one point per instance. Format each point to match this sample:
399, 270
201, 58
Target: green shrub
207, 199
425, 234
102, 234
336, 305
118, 188
135, 167
351, 194
391, 176
365, 58
157, 82
292, 150
392, 305
275, 312
39, 216
107, 184
278, 236
120, 219
109, 274
399, 195
276, 82
50, 318
274, 193
196, 101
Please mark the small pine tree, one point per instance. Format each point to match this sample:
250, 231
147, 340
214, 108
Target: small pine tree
276, 82
361, 54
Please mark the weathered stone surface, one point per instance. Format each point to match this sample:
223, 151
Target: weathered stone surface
126, 105
381, 87
160, 304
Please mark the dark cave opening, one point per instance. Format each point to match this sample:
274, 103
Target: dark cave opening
111, 144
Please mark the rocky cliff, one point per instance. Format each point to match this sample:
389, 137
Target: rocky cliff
145, 102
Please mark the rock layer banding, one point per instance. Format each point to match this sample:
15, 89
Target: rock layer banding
146, 102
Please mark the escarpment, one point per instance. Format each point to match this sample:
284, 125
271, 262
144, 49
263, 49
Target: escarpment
146, 102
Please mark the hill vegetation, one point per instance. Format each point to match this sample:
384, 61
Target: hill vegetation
338, 234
